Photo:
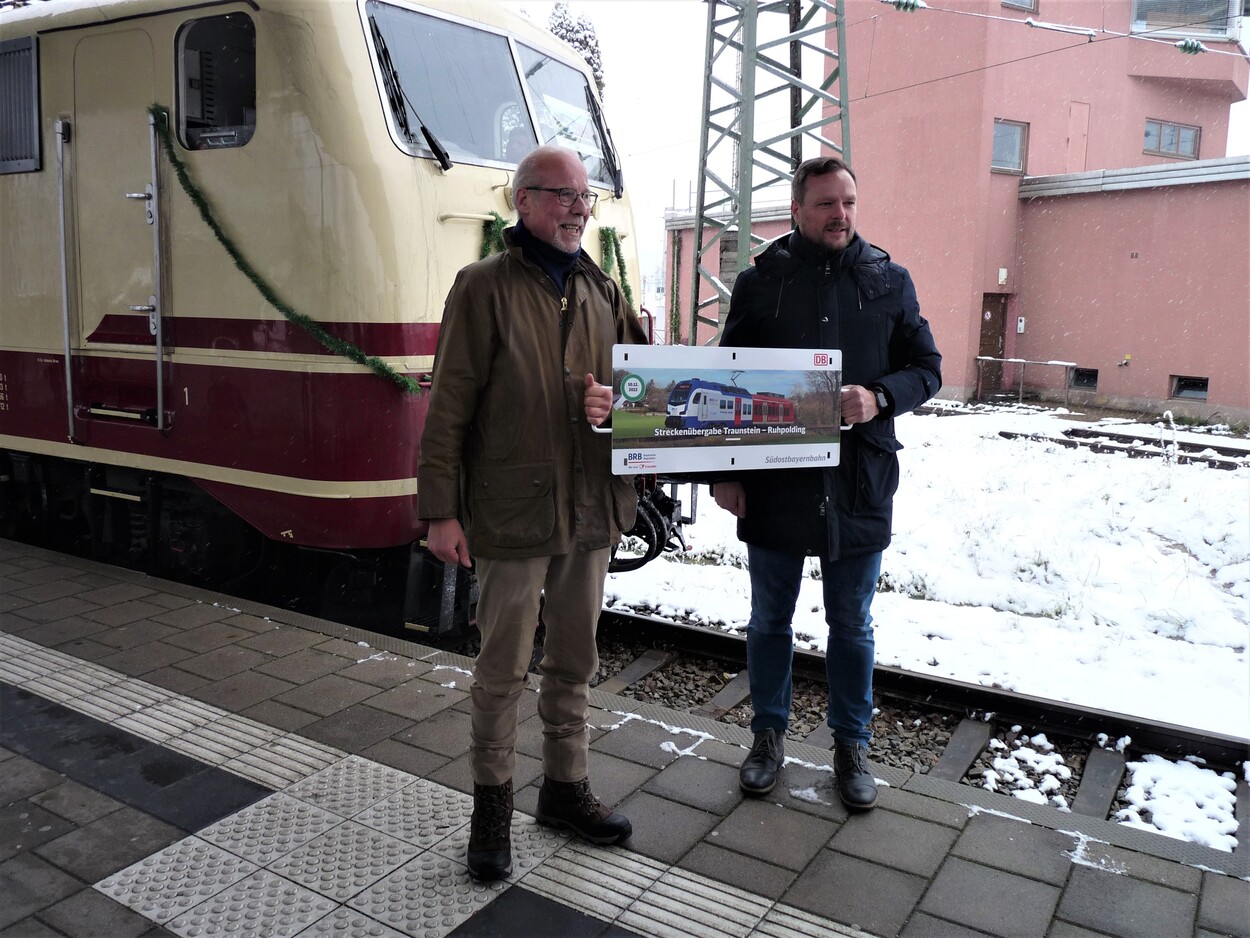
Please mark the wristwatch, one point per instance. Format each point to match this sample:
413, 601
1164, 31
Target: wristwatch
883, 402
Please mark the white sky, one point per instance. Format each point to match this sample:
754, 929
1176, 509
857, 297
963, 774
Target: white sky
653, 53
1121, 584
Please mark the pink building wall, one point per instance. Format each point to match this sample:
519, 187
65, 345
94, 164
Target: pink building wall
925, 90
1168, 288
921, 142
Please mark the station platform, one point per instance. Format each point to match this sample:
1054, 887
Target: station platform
177, 762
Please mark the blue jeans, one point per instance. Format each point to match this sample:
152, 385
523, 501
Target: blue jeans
849, 585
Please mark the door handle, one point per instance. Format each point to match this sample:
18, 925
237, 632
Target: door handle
146, 197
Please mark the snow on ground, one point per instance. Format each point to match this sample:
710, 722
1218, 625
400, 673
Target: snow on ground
1116, 583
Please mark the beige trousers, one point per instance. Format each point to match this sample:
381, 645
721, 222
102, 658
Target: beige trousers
507, 616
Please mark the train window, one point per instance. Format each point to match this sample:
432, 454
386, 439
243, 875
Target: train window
19, 106
458, 81
217, 82
564, 104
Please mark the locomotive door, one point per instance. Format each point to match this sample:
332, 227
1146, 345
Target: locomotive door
118, 223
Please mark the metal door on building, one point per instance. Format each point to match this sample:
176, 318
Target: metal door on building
993, 341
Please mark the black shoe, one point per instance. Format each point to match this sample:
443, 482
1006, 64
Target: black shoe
758, 773
856, 786
573, 806
490, 843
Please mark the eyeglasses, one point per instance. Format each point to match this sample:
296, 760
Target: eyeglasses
568, 196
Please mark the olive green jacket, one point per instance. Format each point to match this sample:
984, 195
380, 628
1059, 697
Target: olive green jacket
507, 448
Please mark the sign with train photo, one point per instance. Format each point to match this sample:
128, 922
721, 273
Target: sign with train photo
684, 409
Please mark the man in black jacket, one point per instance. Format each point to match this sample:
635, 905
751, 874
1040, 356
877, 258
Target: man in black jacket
823, 286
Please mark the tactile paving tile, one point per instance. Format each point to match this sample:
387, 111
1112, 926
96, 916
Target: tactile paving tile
422, 813
222, 740
11, 646
270, 828
350, 785
600, 881
349, 923
531, 843
783, 921
285, 761
682, 904
71, 684
176, 879
182, 714
22, 663
263, 904
125, 705
427, 897
344, 860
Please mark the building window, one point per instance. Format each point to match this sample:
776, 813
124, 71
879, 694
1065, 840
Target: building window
1167, 139
1029, 6
1209, 19
1010, 145
1085, 379
217, 82
19, 106
1188, 388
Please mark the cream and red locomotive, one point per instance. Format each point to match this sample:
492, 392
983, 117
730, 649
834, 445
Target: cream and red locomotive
162, 403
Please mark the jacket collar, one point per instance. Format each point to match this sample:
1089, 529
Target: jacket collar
867, 263
585, 263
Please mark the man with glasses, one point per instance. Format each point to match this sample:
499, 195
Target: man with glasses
512, 475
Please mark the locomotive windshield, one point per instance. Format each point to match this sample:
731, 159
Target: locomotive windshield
459, 84
567, 112
458, 81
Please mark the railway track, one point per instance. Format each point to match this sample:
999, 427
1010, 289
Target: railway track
1135, 444
971, 723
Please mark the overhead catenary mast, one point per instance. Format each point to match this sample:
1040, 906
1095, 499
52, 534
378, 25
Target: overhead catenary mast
740, 157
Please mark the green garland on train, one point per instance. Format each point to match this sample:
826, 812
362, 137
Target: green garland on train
492, 235
334, 344
610, 244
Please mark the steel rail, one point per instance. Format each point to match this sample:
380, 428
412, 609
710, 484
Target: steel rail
1003, 706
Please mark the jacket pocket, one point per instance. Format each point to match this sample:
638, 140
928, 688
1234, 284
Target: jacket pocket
876, 477
512, 506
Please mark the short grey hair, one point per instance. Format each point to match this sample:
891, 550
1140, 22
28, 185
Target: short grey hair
817, 166
529, 169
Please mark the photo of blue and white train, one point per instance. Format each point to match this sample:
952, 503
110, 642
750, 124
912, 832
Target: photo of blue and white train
695, 404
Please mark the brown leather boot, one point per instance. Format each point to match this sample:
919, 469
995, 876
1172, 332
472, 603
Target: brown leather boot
490, 843
573, 806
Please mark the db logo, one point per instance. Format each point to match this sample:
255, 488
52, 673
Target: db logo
820, 358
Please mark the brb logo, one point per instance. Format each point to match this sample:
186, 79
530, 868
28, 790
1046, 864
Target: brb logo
820, 359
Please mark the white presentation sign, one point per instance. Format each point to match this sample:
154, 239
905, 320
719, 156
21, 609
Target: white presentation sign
685, 409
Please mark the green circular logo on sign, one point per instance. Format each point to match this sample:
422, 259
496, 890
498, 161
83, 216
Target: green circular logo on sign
633, 388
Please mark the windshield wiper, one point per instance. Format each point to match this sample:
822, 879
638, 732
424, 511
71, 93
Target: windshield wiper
396, 96
609, 150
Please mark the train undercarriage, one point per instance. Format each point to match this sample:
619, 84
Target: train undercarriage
168, 527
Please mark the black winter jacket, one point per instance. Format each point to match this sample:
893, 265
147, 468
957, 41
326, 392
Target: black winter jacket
800, 295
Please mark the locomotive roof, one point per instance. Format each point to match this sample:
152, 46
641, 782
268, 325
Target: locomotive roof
24, 17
